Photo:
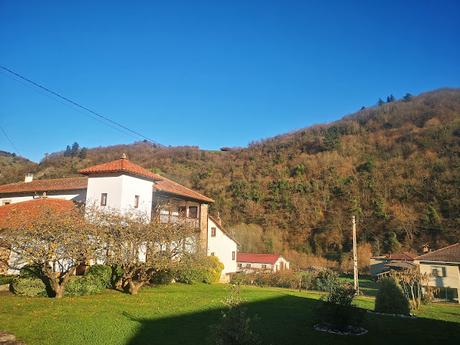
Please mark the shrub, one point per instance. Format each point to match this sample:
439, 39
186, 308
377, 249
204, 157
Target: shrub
117, 275
285, 279
30, 272
203, 270
28, 286
235, 326
390, 298
162, 277
5, 279
83, 285
337, 311
103, 273
326, 280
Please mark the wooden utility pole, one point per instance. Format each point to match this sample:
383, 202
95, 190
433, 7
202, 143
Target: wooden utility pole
355, 257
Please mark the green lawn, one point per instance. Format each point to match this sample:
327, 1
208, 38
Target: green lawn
181, 314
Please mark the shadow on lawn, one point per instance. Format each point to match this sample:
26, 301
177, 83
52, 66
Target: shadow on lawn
289, 320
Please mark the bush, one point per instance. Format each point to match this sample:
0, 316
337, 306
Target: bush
203, 270
103, 273
162, 277
337, 310
326, 280
390, 298
30, 272
83, 285
117, 274
5, 279
28, 286
235, 326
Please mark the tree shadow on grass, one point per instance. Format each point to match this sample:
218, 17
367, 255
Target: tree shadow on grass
289, 320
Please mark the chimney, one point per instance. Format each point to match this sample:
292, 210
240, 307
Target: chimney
219, 220
29, 178
426, 248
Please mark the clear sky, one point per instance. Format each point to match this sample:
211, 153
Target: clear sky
213, 73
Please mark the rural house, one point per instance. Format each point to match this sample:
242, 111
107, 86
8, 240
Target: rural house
252, 262
127, 187
443, 268
384, 264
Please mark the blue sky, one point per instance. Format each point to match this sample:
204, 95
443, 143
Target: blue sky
213, 74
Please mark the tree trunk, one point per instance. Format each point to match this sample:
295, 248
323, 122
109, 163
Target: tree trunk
59, 291
133, 288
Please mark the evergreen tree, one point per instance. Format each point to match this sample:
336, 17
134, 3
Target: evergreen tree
83, 153
75, 149
68, 151
407, 97
390, 99
391, 243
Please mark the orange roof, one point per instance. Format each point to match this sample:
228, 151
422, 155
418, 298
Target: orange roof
168, 186
32, 209
257, 258
39, 186
122, 165
447, 254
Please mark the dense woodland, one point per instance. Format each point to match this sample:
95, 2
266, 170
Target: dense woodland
395, 165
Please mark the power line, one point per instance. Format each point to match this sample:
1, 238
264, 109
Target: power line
9, 140
115, 123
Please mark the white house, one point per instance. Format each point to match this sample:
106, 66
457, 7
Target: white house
222, 245
443, 268
252, 262
127, 187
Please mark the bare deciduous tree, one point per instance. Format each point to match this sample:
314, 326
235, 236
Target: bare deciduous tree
53, 242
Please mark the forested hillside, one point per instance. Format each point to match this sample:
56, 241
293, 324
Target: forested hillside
396, 166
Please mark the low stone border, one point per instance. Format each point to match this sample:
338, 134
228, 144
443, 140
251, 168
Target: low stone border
357, 331
411, 316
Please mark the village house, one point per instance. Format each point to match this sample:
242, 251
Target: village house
443, 269
252, 262
127, 187
384, 264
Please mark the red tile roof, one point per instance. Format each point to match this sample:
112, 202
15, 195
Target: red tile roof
257, 258
40, 186
447, 254
168, 186
122, 165
162, 184
405, 256
31, 209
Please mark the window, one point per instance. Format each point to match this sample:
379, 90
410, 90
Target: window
182, 211
136, 201
264, 266
212, 254
6, 202
438, 271
213, 232
233, 255
248, 265
240, 265
103, 199
193, 211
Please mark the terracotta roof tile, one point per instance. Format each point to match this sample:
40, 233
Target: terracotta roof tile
168, 186
122, 165
31, 209
40, 186
257, 258
447, 254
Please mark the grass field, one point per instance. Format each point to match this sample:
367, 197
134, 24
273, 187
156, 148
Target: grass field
182, 314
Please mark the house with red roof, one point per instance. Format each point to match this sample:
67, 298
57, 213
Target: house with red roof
127, 187
253, 262
384, 264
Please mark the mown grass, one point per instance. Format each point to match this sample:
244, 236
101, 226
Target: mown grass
182, 314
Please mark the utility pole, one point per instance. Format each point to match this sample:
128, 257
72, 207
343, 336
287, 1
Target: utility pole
355, 257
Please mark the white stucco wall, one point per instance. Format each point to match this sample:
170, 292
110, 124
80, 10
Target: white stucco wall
222, 246
451, 280
121, 190
75, 195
